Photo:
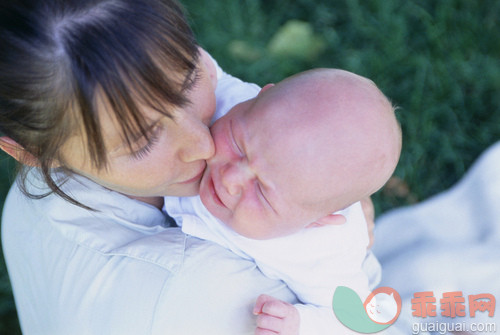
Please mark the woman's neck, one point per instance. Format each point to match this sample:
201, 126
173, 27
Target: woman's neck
154, 201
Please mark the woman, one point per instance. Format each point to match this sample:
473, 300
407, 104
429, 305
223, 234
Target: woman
110, 102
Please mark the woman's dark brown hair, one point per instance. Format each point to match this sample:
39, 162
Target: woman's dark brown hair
57, 57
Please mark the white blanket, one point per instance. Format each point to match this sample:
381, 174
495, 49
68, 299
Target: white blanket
450, 242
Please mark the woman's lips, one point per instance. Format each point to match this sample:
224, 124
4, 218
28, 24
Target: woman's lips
195, 178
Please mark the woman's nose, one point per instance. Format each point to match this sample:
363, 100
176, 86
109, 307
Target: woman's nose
197, 145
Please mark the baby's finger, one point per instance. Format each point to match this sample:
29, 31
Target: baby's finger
268, 323
261, 300
272, 306
260, 331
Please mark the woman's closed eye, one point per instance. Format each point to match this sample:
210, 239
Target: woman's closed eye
151, 142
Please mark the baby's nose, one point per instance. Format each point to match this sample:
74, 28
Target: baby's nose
234, 178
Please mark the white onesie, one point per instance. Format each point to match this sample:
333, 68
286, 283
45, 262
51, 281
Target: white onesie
312, 262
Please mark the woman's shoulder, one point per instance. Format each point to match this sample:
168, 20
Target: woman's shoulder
116, 225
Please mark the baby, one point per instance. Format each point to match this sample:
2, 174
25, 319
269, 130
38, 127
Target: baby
284, 186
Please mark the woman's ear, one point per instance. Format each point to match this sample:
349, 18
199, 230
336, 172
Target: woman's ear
14, 149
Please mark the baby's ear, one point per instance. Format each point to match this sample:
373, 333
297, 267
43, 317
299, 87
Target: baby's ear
265, 88
330, 219
15, 150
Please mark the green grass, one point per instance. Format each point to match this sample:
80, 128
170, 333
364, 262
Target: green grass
438, 61
8, 318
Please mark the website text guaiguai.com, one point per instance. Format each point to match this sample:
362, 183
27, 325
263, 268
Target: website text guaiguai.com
446, 328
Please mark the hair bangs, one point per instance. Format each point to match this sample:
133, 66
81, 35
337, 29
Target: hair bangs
132, 66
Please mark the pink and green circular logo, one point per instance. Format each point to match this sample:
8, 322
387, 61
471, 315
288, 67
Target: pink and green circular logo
380, 310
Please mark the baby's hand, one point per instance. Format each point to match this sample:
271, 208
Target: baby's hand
275, 317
